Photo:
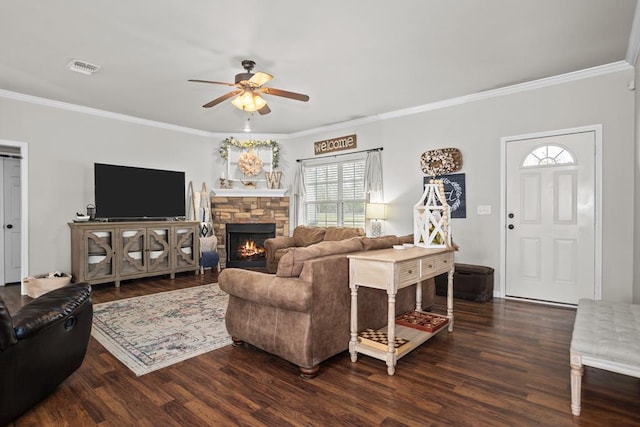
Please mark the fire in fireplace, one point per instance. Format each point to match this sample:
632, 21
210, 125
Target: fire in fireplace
245, 244
250, 251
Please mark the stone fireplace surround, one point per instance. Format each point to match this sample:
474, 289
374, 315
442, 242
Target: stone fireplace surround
246, 209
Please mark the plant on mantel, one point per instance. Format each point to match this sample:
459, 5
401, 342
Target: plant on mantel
250, 143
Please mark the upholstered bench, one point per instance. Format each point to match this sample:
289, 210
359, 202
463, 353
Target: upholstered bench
606, 335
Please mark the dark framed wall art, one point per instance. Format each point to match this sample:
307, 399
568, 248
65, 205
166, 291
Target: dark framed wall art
455, 191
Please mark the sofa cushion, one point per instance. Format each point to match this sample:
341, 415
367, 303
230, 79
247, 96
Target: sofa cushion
305, 236
405, 239
341, 233
280, 253
266, 289
291, 263
384, 242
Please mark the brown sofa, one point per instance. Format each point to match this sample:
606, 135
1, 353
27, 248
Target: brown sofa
302, 313
304, 236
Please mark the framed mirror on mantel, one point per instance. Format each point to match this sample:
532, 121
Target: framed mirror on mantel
247, 166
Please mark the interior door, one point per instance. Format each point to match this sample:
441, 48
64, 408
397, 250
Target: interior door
12, 220
550, 207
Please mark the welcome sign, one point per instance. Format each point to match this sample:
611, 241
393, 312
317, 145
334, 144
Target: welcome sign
337, 144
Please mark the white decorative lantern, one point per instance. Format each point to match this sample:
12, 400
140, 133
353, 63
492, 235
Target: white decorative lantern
431, 227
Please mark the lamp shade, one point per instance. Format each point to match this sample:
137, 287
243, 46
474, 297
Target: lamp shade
248, 101
376, 211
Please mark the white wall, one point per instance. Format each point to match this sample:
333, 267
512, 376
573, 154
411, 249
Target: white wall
476, 128
62, 147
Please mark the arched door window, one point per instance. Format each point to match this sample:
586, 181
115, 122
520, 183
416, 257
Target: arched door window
548, 155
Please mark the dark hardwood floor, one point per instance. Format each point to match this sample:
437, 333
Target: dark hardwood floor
505, 364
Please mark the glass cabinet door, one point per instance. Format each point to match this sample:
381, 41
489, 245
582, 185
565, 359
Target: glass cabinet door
185, 247
99, 261
132, 260
158, 249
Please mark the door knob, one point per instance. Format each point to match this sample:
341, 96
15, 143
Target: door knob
510, 227
9, 225
510, 215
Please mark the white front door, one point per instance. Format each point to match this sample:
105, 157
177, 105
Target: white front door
550, 209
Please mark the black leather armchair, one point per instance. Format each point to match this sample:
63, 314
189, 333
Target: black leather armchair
41, 345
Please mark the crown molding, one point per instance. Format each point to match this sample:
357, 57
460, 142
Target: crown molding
100, 113
479, 96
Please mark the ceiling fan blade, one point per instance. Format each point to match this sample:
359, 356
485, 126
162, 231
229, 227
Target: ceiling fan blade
222, 98
209, 81
260, 78
264, 110
285, 94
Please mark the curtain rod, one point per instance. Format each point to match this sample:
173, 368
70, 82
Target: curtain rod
342, 154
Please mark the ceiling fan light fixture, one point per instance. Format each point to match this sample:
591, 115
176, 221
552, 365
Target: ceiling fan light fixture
248, 87
248, 101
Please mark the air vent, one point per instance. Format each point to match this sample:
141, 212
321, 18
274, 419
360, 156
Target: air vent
82, 67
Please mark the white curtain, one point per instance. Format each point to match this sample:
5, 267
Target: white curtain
373, 176
298, 195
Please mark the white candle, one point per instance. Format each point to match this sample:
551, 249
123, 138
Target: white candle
222, 175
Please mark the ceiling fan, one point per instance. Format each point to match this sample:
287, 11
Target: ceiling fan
249, 86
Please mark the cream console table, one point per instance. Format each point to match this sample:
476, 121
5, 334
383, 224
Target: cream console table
390, 270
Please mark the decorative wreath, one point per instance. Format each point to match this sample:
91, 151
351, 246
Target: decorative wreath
441, 161
249, 164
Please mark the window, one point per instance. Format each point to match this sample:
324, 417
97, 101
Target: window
548, 155
335, 194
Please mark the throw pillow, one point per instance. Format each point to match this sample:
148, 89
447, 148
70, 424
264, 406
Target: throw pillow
305, 236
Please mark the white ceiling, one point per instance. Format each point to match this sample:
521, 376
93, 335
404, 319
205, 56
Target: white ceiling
355, 59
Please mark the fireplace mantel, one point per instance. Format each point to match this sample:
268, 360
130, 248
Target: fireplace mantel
255, 192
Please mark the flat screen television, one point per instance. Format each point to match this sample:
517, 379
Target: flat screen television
132, 193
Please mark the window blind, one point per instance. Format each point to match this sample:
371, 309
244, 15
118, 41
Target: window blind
335, 194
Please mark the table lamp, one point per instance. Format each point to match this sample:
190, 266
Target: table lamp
376, 213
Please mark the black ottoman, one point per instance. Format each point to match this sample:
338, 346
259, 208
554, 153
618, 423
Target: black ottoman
470, 282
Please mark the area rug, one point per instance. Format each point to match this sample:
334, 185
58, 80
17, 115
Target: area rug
155, 331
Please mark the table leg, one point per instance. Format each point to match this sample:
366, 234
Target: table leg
576, 382
419, 296
391, 334
354, 323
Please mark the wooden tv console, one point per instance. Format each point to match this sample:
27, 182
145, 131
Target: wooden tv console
103, 252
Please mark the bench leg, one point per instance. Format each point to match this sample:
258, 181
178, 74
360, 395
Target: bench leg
576, 382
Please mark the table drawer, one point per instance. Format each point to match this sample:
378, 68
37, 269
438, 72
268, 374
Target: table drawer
408, 272
428, 267
444, 262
